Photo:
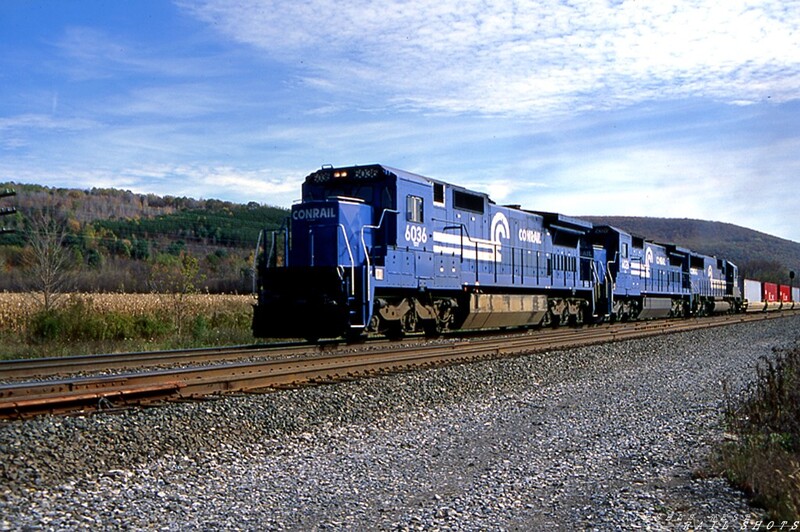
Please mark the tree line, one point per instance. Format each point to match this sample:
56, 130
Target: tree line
105, 240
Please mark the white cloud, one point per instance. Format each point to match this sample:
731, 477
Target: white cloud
44, 122
20, 132
670, 182
176, 100
527, 57
88, 53
273, 186
325, 81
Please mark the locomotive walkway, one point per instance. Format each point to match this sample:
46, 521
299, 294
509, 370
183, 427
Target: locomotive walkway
298, 365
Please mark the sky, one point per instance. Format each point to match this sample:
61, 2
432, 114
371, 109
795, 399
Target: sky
666, 108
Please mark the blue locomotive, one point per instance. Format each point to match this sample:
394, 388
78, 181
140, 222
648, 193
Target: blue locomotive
376, 249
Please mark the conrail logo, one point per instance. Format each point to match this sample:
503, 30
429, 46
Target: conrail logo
314, 213
474, 248
500, 229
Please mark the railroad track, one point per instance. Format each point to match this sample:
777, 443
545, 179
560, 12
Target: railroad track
103, 363
106, 363
84, 393
45, 367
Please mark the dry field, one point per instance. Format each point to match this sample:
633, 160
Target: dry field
16, 308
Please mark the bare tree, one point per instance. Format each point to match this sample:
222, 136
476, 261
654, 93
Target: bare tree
47, 259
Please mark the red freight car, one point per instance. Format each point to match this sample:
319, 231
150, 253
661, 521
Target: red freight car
770, 296
770, 292
785, 293
785, 297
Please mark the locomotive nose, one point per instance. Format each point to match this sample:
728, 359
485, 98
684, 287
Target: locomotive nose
328, 233
322, 291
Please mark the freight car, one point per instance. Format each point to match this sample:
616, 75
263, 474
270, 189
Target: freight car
377, 249
761, 297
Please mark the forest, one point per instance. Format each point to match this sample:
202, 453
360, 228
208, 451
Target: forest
112, 240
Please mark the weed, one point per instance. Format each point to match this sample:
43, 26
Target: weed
94, 323
763, 456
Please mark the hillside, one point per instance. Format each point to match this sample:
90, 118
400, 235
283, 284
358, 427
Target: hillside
118, 240
758, 255
131, 215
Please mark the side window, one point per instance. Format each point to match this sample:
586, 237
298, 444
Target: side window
625, 250
414, 211
438, 193
468, 202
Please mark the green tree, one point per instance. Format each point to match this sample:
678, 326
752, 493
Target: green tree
176, 279
140, 249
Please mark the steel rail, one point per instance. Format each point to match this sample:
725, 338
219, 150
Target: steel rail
90, 392
45, 366
98, 363
51, 366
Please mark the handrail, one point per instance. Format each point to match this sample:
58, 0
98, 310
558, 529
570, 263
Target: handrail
311, 245
255, 260
284, 227
366, 251
463, 229
352, 262
610, 281
380, 223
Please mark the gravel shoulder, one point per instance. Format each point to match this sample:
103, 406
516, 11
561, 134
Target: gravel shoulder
602, 437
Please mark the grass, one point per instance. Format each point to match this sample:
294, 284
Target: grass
108, 323
762, 456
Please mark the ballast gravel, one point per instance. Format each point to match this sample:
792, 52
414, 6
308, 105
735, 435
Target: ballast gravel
607, 437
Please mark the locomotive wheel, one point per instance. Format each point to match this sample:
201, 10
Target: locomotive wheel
374, 323
548, 320
577, 319
410, 321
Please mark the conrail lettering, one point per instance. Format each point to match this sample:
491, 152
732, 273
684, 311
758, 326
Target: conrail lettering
314, 214
527, 235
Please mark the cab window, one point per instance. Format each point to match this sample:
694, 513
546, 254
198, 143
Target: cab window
414, 212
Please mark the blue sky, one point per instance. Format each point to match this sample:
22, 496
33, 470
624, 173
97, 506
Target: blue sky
644, 108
